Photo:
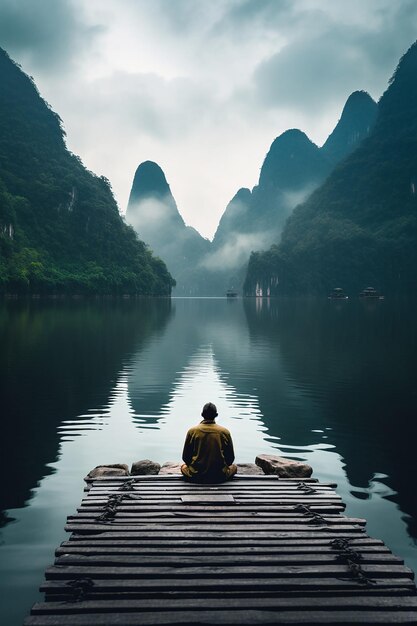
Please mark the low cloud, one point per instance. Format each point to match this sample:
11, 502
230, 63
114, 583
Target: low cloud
150, 214
202, 88
235, 252
48, 35
293, 198
357, 48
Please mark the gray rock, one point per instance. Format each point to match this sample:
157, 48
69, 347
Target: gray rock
250, 469
103, 471
285, 468
171, 467
144, 468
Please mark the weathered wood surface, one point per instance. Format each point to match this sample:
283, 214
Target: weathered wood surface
156, 550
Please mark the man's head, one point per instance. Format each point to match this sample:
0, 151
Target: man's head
209, 411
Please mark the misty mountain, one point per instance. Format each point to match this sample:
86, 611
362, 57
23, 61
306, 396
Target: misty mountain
360, 226
153, 213
358, 118
293, 167
60, 228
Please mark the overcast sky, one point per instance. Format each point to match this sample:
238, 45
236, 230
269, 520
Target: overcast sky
202, 87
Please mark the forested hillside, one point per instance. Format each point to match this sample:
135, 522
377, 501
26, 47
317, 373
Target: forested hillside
360, 226
60, 228
293, 167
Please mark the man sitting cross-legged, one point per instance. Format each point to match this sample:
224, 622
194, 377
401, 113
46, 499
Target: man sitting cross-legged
208, 450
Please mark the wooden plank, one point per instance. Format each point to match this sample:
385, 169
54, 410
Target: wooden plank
237, 511
209, 594
87, 548
106, 532
130, 517
221, 560
81, 526
178, 478
144, 504
246, 497
312, 540
180, 482
174, 494
237, 491
246, 508
171, 492
282, 584
251, 503
276, 603
335, 570
208, 499
241, 507
246, 516
234, 617
262, 481
204, 522
243, 502
188, 488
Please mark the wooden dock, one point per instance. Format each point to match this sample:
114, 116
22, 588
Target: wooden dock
155, 550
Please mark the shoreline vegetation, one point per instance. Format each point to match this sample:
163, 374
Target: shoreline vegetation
60, 227
360, 226
61, 232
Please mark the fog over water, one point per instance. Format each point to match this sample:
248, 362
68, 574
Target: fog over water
91, 382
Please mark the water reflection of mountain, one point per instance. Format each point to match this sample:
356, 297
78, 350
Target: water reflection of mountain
220, 325
194, 324
355, 363
59, 360
311, 365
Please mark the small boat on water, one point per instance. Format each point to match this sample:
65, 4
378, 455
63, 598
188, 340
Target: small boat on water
371, 293
230, 293
337, 294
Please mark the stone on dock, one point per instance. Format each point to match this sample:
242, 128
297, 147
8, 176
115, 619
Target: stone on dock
103, 471
171, 467
285, 468
145, 467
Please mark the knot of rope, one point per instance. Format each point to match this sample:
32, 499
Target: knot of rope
110, 508
306, 488
314, 517
340, 544
127, 485
352, 559
359, 575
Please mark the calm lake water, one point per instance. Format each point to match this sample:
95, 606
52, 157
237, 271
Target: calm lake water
90, 382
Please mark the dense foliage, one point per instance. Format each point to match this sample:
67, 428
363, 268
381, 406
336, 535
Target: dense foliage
360, 226
293, 167
60, 228
253, 219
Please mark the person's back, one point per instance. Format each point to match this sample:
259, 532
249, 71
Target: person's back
208, 450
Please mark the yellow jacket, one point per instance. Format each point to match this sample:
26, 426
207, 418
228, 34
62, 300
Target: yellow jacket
208, 452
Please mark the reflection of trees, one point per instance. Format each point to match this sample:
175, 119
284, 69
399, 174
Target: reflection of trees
58, 360
356, 362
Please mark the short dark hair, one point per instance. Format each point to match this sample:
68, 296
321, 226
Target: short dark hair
209, 411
